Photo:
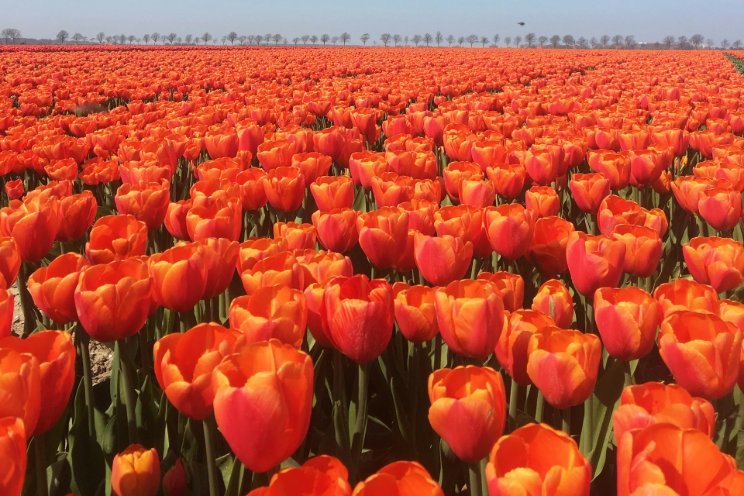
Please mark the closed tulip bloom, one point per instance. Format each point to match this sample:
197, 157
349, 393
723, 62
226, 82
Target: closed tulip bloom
455, 173
135, 471
512, 347
319, 476
76, 214
476, 192
542, 163
222, 144
330, 192
442, 259
615, 210
275, 153
175, 219
55, 355
252, 192
400, 478
10, 261
6, 312
20, 387
543, 200
14, 189
468, 408
272, 312
509, 228
421, 215
594, 261
415, 312
588, 190
720, 207
253, 250
548, 247
53, 287
554, 299
220, 258
312, 165
537, 459
314, 300
13, 454
116, 237
686, 294
365, 165
687, 191
510, 287
336, 228
358, 315
263, 402
184, 362
279, 269
390, 189
179, 276
382, 235
508, 179
470, 316
323, 266
614, 166
147, 202
652, 403
643, 248
702, 352
285, 188
627, 320
215, 219
466, 222
716, 261
113, 300
564, 364
296, 236
666, 459
33, 224
647, 165
174, 480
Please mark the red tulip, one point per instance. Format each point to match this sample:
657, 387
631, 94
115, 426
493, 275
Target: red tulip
594, 261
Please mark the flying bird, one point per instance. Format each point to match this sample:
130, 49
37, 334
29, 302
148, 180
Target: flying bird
521, 23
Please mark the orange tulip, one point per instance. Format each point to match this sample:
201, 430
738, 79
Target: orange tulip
33, 224
510, 286
537, 459
113, 300
116, 237
665, 459
627, 320
252, 192
468, 409
455, 173
254, 249
14, 189
279, 269
365, 165
415, 312
10, 261
135, 471
465, 222
564, 364
285, 188
13, 454
55, 354
470, 316
588, 190
184, 362
275, 153
220, 258
543, 201
400, 478
442, 259
614, 166
688, 190
643, 248
656, 403
720, 207
319, 476
20, 387
296, 236
271, 312
263, 401
511, 349
702, 352
358, 314
215, 219
332, 192
615, 210
382, 235
476, 192
147, 202
686, 294
53, 287
179, 276
6, 312
222, 144
548, 246
76, 214
715, 261
323, 266
554, 300
508, 179
594, 261
647, 165
337, 228
509, 228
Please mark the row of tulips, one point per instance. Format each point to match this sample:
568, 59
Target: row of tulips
474, 227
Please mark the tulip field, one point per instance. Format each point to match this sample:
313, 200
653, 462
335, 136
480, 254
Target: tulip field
368, 271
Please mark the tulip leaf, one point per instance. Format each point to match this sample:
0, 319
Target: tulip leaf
232, 474
604, 401
86, 455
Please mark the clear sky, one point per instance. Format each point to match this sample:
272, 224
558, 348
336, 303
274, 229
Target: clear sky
648, 20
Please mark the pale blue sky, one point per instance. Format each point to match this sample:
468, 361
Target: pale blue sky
648, 20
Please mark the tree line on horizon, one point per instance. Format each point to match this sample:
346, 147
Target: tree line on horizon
529, 40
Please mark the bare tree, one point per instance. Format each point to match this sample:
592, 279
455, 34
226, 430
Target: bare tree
313, 39
507, 41
156, 36
630, 42
416, 39
10, 34
450, 40
555, 40
472, 39
171, 37
617, 41
697, 40
530, 39
683, 42
188, 39
569, 41
231, 37
724, 43
77, 37
62, 36
595, 42
736, 45
385, 38
542, 40
605, 40
277, 38
517, 41
101, 36
460, 40
496, 39
438, 38
669, 41
131, 39
582, 43
427, 38
365, 39
207, 37
483, 41
345, 37
324, 38
397, 39
709, 43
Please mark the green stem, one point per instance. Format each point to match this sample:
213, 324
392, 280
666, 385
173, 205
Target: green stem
588, 427
82, 342
539, 407
475, 479
566, 421
129, 393
42, 485
360, 427
209, 448
513, 398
